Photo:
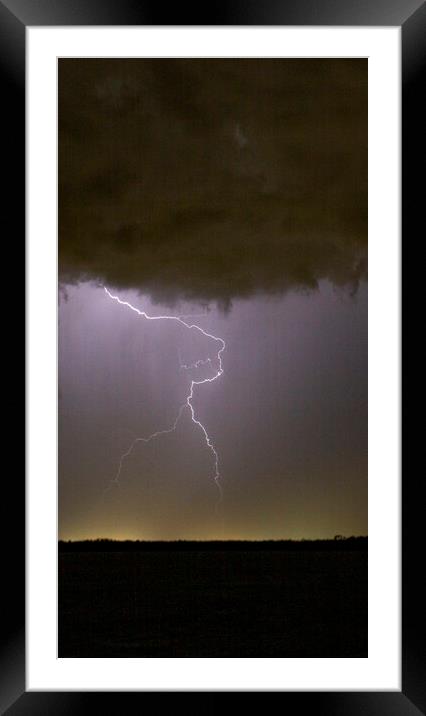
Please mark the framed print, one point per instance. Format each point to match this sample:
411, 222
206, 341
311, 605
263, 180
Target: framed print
213, 289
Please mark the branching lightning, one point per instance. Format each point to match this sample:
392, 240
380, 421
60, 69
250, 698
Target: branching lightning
188, 403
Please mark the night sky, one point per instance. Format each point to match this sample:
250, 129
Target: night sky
234, 191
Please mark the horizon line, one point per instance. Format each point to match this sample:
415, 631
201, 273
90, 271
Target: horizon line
336, 538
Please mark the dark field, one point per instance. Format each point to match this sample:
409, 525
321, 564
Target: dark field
198, 602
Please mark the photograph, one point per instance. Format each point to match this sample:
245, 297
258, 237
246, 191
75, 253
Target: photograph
216, 206
212, 357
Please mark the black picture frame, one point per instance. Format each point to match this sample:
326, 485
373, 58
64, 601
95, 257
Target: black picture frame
15, 16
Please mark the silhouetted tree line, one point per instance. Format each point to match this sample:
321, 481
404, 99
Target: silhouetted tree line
339, 543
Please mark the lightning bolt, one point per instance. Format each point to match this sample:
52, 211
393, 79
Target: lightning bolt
188, 403
189, 366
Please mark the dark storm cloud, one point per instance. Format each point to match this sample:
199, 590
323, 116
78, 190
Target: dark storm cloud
210, 179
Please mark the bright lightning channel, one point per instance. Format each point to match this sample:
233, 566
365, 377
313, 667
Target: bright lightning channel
188, 403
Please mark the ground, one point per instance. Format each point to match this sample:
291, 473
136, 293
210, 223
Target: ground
213, 603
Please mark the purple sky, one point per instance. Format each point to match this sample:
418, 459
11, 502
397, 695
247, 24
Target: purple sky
288, 418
